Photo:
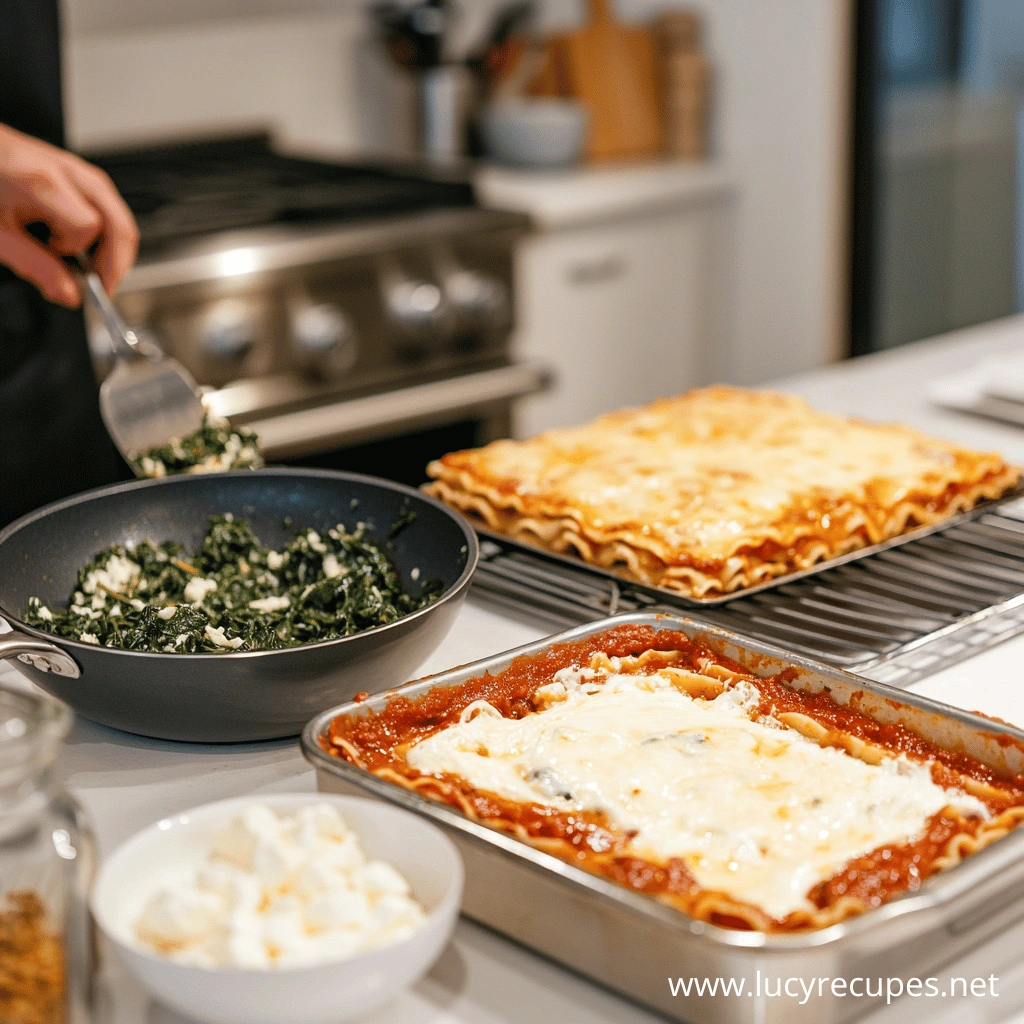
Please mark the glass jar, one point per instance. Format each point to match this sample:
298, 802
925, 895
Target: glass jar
46, 862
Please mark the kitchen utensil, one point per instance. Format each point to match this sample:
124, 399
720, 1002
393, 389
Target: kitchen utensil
508, 21
502, 43
328, 993
635, 944
551, 79
501, 47
256, 695
147, 399
612, 69
535, 132
444, 105
414, 36
524, 69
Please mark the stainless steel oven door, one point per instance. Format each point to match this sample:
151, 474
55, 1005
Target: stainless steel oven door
485, 395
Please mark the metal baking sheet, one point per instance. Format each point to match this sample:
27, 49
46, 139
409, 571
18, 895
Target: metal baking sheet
634, 944
671, 597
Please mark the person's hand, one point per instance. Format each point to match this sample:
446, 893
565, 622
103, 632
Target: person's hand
77, 202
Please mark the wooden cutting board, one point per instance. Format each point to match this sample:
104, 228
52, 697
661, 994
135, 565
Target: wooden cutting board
612, 69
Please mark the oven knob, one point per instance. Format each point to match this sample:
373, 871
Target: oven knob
318, 329
229, 330
324, 337
417, 306
477, 297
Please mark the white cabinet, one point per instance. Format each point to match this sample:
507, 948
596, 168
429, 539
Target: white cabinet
622, 287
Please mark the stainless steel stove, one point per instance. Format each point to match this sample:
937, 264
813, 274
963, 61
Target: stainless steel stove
325, 305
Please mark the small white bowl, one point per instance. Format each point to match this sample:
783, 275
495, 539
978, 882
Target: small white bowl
540, 133
326, 994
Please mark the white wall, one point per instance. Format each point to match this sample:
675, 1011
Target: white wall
145, 68
783, 120
311, 77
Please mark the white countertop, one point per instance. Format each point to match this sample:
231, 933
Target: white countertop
571, 197
126, 783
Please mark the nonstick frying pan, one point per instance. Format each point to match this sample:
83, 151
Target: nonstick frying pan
255, 695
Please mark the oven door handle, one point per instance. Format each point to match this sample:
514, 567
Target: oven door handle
355, 420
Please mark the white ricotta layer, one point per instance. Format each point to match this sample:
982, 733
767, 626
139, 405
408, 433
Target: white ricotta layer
755, 809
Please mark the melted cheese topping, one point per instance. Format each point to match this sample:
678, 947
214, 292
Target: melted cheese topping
695, 479
754, 808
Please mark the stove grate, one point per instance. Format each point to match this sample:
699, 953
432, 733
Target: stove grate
894, 616
195, 188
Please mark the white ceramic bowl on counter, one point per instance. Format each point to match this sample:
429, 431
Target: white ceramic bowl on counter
329, 993
538, 133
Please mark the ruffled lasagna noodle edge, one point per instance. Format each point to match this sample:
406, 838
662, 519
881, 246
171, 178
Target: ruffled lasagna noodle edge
642, 559
714, 907
702, 904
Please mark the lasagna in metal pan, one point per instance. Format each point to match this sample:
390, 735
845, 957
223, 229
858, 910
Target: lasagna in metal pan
718, 489
641, 755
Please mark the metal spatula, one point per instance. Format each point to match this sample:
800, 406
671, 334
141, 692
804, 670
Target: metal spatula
147, 399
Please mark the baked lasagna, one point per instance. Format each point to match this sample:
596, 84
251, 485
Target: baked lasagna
641, 755
716, 490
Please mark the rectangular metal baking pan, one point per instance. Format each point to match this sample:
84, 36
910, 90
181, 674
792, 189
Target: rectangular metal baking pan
634, 944
671, 597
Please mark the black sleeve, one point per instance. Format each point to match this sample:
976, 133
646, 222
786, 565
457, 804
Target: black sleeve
30, 96
52, 441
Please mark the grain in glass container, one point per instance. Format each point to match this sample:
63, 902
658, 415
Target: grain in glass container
46, 864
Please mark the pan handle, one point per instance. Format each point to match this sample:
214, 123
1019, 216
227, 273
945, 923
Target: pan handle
40, 654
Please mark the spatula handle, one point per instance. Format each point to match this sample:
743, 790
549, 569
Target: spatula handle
125, 340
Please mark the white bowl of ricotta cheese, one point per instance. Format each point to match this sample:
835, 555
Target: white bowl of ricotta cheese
307, 908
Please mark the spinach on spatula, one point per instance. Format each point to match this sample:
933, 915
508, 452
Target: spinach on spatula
214, 448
